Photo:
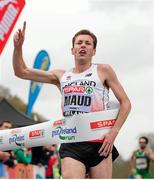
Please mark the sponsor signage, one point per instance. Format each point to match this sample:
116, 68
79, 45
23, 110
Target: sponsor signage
9, 13
77, 128
64, 133
1, 139
42, 61
102, 124
36, 133
58, 122
17, 139
16, 131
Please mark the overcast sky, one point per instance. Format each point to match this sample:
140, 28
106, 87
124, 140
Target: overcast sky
125, 33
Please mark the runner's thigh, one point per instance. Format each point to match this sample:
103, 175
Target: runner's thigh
72, 168
103, 170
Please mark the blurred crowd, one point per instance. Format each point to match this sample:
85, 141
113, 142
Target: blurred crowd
46, 156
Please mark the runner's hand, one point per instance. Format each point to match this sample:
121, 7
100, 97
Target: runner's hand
108, 140
148, 151
132, 172
19, 37
4, 156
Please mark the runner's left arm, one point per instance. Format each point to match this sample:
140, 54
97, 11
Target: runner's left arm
112, 82
132, 164
150, 153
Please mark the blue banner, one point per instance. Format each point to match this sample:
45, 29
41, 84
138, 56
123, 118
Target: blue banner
42, 61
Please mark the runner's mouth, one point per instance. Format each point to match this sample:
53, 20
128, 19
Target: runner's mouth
82, 52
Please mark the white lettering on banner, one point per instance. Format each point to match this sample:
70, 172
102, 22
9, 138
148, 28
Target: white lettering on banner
7, 20
4, 3
58, 122
36, 133
16, 131
102, 124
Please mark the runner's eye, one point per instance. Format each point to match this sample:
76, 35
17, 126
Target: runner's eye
88, 43
142, 142
80, 42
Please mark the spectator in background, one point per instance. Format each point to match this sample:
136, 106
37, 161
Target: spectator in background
6, 157
140, 160
45, 156
5, 125
23, 155
37, 155
53, 170
57, 167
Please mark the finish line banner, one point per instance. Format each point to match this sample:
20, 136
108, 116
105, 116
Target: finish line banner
9, 13
78, 128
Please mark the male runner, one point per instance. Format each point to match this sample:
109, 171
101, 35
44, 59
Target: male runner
140, 160
96, 81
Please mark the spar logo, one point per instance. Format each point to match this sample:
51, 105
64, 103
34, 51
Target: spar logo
102, 124
16, 131
59, 122
17, 139
36, 133
78, 89
89, 90
64, 133
74, 89
1, 139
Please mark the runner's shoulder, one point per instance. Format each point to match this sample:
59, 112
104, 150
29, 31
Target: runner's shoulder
105, 71
134, 152
56, 74
105, 67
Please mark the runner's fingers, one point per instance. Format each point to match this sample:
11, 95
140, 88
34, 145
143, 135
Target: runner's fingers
20, 33
100, 150
102, 147
111, 148
24, 28
21, 36
16, 37
106, 150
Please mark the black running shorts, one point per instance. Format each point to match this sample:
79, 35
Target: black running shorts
85, 152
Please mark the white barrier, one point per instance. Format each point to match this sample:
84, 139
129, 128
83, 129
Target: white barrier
83, 127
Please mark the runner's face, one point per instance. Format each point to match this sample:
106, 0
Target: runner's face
83, 47
142, 143
6, 126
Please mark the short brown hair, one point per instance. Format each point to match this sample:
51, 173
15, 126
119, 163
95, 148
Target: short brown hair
5, 121
86, 32
145, 138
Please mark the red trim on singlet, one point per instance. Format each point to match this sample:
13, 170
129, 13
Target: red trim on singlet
97, 140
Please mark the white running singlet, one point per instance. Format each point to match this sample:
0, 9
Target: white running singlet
83, 92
